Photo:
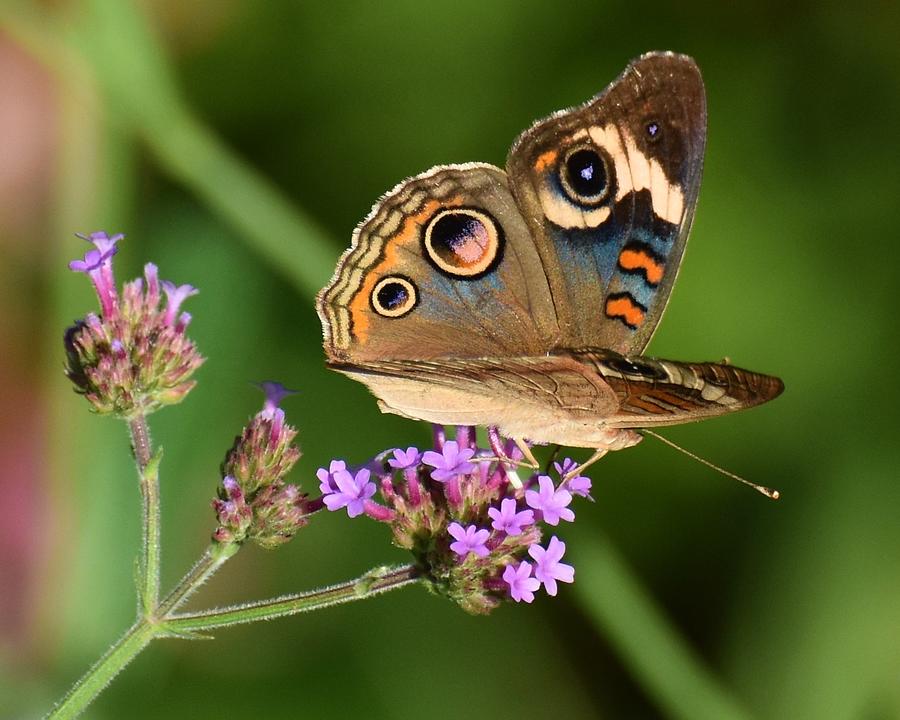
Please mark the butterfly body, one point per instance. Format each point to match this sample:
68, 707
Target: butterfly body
523, 299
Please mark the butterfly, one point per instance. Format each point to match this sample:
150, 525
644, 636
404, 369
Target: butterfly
523, 300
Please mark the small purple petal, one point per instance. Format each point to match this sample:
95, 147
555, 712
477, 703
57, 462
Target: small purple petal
450, 462
405, 458
351, 492
548, 570
507, 520
326, 477
93, 259
175, 295
521, 585
275, 392
469, 539
552, 503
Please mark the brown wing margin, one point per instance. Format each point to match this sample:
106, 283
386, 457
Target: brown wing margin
662, 392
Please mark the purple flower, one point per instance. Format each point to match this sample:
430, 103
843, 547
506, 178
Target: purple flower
469, 539
548, 568
103, 242
93, 259
405, 459
552, 503
327, 483
450, 462
175, 295
578, 484
352, 492
521, 584
507, 520
275, 393
97, 263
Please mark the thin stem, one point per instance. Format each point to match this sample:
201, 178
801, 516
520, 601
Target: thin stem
104, 670
212, 559
148, 472
375, 582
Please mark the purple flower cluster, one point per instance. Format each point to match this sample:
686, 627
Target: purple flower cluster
475, 531
254, 501
134, 357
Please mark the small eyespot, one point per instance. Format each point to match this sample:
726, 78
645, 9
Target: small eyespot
625, 366
463, 242
394, 296
654, 130
584, 175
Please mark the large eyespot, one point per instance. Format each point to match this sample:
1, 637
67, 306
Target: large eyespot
584, 175
653, 130
394, 296
463, 242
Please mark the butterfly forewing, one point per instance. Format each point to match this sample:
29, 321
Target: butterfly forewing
609, 189
652, 392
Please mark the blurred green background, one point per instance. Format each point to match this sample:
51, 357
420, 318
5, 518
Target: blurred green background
237, 143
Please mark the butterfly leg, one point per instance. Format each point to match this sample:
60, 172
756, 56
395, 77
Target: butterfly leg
586, 464
530, 460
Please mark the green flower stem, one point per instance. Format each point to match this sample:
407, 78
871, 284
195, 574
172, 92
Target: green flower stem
148, 471
375, 582
214, 557
104, 670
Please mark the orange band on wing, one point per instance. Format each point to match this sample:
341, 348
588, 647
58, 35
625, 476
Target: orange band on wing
625, 308
544, 160
408, 232
634, 260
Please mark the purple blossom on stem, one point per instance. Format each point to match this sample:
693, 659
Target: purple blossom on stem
175, 295
92, 261
450, 462
469, 539
578, 484
548, 568
405, 458
327, 482
507, 520
275, 393
565, 467
352, 492
551, 502
522, 585
97, 264
102, 241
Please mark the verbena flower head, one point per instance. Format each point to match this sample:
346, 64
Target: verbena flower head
134, 357
254, 502
474, 534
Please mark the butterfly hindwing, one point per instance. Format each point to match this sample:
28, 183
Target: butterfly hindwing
609, 191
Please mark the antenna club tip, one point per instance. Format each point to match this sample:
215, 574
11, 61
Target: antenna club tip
775, 495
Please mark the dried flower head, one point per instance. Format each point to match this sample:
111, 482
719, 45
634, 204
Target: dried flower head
254, 502
474, 530
134, 357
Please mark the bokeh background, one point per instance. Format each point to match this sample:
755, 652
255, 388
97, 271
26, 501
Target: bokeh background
237, 143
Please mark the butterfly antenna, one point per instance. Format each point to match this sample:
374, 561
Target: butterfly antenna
768, 492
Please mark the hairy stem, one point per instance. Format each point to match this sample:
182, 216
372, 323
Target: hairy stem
375, 582
148, 472
104, 670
